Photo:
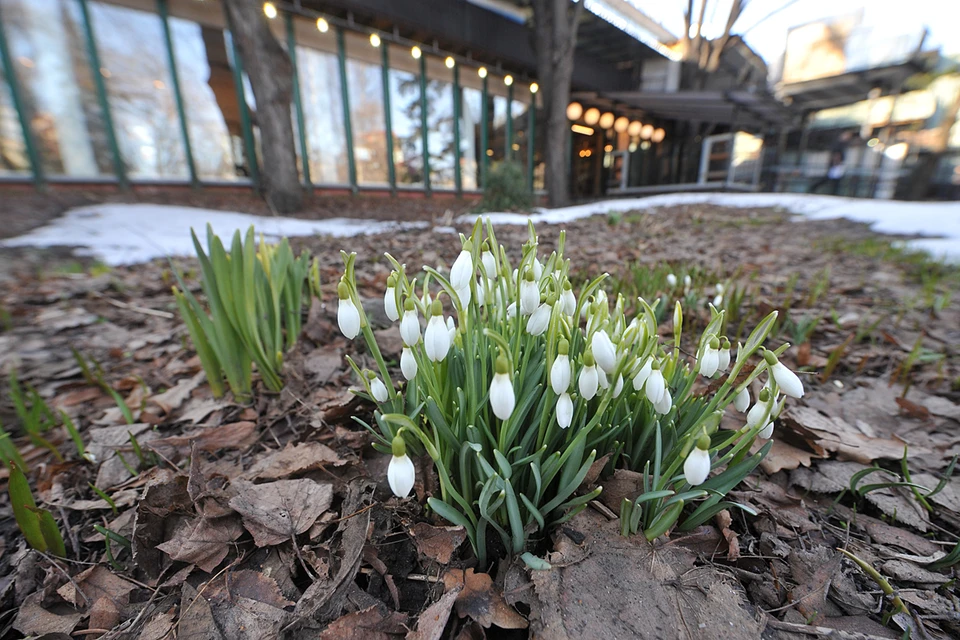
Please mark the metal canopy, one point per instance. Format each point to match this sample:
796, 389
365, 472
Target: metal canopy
848, 88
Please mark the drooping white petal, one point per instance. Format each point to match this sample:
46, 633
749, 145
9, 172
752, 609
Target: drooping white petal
655, 386
481, 293
742, 401
451, 329
408, 364
671, 280
410, 328
642, 375
602, 379
348, 318
537, 269
401, 474
529, 297
564, 410
464, 295
709, 362
665, 403
378, 390
604, 351
756, 414
687, 281
560, 374
489, 264
718, 300
539, 320
436, 339
787, 380
502, 398
696, 468
511, 310
588, 382
724, 359
618, 387
461, 271
568, 302
767, 432
390, 304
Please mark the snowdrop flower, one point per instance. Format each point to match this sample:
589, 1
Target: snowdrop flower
408, 364
560, 372
604, 351
671, 280
464, 295
539, 320
724, 355
786, 379
390, 299
410, 325
696, 468
401, 473
760, 411
710, 361
618, 387
377, 389
481, 293
589, 380
436, 338
642, 375
767, 432
502, 398
512, 311
529, 294
718, 300
718, 288
348, 317
489, 262
602, 379
537, 268
451, 329
462, 270
687, 281
742, 400
568, 302
655, 385
665, 403
564, 410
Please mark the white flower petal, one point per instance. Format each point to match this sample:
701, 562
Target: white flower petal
787, 380
742, 401
564, 410
618, 387
408, 364
767, 432
560, 374
588, 382
568, 302
348, 318
724, 359
489, 264
529, 297
401, 474
410, 328
709, 362
604, 351
696, 468
390, 304
539, 320
461, 271
502, 398
655, 386
665, 403
436, 339
642, 375
378, 390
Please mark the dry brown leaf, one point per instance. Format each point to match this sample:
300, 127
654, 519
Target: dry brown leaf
482, 601
276, 511
840, 437
249, 584
782, 456
303, 457
236, 435
158, 627
204, 542
172, 398
372, 623
813, 572
34, 620
433, 620
104, 614
95, 583
724, 521
196, 618
437, 543
913, 409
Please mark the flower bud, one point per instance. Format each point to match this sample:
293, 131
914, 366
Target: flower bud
568, 302
408, 364
589, 380
462, 270
529, 294
401, 474
655, 385
489, 262
560, 373
502, 398
348, 316
604, 351
742, 400
390, 299
539, 320
671, 280
436, 338
410, 325
724, 355
696, 468
787, 380
564, 410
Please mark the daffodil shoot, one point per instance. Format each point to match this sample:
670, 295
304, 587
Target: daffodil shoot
515, 378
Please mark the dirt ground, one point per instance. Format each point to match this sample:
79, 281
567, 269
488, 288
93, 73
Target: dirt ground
188, 544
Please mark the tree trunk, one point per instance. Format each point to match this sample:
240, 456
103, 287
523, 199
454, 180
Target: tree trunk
555, 35
271, 78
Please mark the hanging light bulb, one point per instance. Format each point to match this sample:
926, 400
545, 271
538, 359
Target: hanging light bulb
592, 116
620, 124
534, 87
574, 111
374, 40
482, 72
508, 80
634, 128
322, 25
415, 52
658, 135
270, 10
646, 131
450, 62
606, 120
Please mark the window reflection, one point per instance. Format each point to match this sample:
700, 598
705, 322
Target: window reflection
144, 109
518, 146
440, 128
406, 123
47, 45
496, 128
323, 116
13, 152
471, 118
365, 87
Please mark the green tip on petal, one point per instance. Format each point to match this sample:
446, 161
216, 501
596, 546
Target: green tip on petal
409, 305
655, 365
563, 348
703, 442
528, 275
502, 365
436, 309
468, 245
399, 446
392, 279
588, 359
567, 286
764, 395
770, 357
725, 343
714, 342
343, 291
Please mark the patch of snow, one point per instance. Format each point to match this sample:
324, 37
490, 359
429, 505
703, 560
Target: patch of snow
121, 234
939, 220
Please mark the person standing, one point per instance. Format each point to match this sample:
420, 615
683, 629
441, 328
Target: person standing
837, 167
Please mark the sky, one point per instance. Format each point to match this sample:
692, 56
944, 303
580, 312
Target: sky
885, 18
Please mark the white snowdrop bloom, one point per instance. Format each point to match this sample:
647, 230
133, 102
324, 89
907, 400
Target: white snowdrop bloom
560, 372
378, 390
742, 400
767, 432
602, 379
348, 317
539, 320
618, 387
696, 467
718, 288
537, 269
462, 270
512, 310
564, 410
671, 280
589, 379
665, 403
401, 474
724, 355
436, 338
718, 300
408, 364
687, 281
568, 301
529, 295
709, 362
502, 398
390, 302
481, 293
451, 329
410, 325
642, 375
464, 295
655, 386
604, 351
760, 411
787, 380
489, 262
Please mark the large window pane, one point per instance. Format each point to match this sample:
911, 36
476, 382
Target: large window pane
13, 152
209, 100
49, 52
405, 120
323, 116
440, 128
144, 109
497, 128
470, 134
365, 85
518, 148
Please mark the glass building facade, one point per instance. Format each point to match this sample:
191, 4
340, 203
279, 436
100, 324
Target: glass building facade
152, 91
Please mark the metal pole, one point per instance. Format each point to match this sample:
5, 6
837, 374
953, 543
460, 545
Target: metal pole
457, 112
424, 133
508, 152
298, 104
249, 144
345, 95
531, 119
388, 116
484, 134
101, 89
177, 94
18, 105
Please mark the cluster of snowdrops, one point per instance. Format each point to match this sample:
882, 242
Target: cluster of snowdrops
518, 384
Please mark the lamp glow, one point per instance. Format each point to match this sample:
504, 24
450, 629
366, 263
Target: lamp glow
658, 135
582, 130
508, 80
534, 87
270, 10
574, 111
634, 128
592, 116
620, 124
450, 62
322, 25
415, 52
606, 120
646, 131
374, 40
482, 72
